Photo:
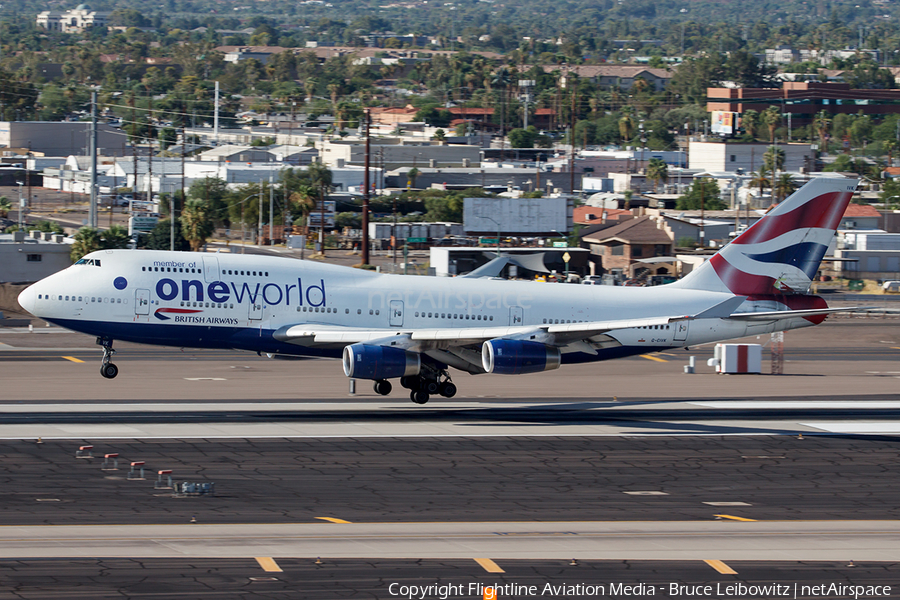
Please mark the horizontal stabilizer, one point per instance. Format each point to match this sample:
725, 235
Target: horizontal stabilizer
778, 315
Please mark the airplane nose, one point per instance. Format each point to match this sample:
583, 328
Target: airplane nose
27, 298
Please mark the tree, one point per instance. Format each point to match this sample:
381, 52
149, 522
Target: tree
890, 193
522, 138
5, 206
440, 135
411, 177
761, 180
822, 125
750, 122
445, 209
657, 170
703, 192
784, 186
87, 240
196, 223
158, 239
626, 128
771, 118
773, 159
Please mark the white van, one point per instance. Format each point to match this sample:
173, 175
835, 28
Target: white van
891, 287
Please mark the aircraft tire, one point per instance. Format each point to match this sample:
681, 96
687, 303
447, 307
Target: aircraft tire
430, 386
109, 371
419, 396
410, 383
447, 390
383, 387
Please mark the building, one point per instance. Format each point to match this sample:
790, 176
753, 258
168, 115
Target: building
730, 157
72, 21
617, 249
617, 76
29, 258
801, 100
869, 255
337, 153
62, 138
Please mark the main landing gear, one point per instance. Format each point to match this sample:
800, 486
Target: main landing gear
422, 388
107, 369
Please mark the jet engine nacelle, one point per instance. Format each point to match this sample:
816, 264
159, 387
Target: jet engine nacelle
364, 361
514, 357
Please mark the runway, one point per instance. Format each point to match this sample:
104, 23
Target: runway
639, 472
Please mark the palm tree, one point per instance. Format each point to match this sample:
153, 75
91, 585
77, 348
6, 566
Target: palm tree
196, 223
657, 170
761, 179
626, 128
771, 117
320, 179
889, 147
784, 186
773, 159
822, 125
750, 122
87, 240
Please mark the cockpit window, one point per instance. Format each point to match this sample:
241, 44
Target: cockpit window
89, 261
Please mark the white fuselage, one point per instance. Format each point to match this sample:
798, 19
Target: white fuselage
238, 301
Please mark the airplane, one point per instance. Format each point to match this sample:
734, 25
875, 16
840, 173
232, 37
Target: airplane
387, 326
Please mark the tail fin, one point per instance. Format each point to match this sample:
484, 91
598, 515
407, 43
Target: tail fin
781, 252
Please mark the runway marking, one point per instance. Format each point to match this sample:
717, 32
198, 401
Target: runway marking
73, 359
656, 358
268, 564
727, 504
721, 567
332, 520
666, 354
489, 565
733, 518
205, 379
647, 493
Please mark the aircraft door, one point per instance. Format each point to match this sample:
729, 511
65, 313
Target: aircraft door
681, 331
210, 269
396, 313
142, 302
516, 314
256, 308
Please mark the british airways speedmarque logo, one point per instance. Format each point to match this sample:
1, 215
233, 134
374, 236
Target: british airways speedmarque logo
160, 313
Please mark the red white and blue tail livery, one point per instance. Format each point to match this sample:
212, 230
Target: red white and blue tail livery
416, 329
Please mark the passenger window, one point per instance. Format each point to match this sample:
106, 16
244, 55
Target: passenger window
118, 301
377, 312
359, 311
346, 311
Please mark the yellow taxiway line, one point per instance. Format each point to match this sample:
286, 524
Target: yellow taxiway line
489, 565
721, 567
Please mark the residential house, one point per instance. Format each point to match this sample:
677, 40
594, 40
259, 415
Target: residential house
617, 249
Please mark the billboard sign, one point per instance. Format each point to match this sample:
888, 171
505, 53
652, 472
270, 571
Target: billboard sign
722, 122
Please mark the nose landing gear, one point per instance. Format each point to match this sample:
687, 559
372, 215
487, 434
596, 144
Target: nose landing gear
107, 369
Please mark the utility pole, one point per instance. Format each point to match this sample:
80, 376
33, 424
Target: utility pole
365, 210
259, 224
216, 116
92, 213
702, 226
271, 210
572, 137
